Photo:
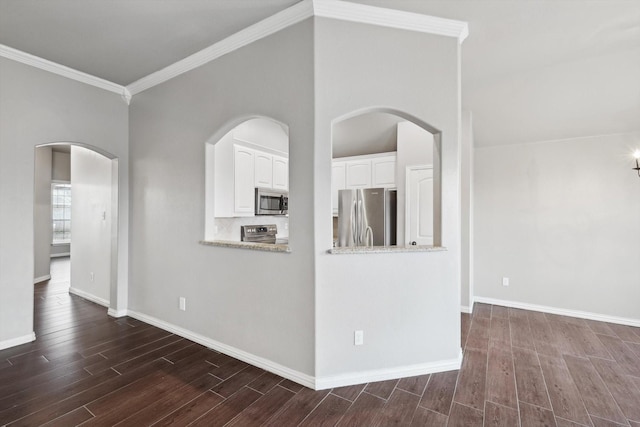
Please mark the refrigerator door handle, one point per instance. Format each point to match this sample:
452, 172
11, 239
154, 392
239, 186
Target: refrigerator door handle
369, 237
354, 219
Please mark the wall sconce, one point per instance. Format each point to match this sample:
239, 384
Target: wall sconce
636, 155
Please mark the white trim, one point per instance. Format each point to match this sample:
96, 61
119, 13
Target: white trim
41, 278
90, 297
466, 309
117, 313
333, 9
561, 311
61, 254
61, 70
268, 365
387, 374
290, 16
17, 341
391, 18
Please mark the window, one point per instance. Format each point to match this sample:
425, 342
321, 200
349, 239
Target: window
61, 212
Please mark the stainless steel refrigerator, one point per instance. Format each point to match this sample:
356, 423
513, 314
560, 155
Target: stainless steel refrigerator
367, 217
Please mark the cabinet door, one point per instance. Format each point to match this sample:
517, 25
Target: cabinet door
358, 173
383, 171
338, 182
280, 173
263, 169
243, 181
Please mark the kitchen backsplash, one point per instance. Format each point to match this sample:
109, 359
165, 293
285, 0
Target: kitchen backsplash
229, 228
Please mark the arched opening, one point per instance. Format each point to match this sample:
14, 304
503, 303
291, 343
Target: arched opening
247, 181
76, 209
386, 180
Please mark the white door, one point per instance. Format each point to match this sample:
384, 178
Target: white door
419, 205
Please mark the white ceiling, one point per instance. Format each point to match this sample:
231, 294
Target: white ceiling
532, 70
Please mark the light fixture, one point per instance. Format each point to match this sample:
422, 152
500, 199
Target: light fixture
636, 155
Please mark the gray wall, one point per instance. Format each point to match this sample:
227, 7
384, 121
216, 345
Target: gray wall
42, 233
561, 220
257, 302
92, 222
61, 166
407, 304
37, 107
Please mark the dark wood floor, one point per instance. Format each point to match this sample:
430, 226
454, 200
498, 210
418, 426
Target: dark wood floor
520, 368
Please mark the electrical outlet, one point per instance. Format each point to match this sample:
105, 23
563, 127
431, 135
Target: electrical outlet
505, 281
286, 225
358, 337
183, 304
92, 276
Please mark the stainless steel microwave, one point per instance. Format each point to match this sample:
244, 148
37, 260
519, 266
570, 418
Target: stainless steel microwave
271, 202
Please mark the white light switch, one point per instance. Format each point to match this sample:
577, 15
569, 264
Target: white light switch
358, 338
183, 304
505, 281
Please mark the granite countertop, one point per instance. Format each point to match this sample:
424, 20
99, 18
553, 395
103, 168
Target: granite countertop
267, 247
385, 249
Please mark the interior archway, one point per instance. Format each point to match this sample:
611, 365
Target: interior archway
94, 248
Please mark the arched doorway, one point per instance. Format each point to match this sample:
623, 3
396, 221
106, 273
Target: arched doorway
80, 210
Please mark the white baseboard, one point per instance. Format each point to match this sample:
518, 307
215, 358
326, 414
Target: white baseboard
299, 377
88, 296
41, 279
267, 365
17, 341
60, 255
117, 313
561, 311
465, 309
363, 377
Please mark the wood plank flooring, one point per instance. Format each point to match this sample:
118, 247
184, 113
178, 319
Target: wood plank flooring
520, 368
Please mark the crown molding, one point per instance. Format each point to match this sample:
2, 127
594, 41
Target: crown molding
333, 9
61, 70
281, 20
392, 18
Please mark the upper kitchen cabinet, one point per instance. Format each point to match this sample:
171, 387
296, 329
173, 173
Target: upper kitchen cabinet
368, 171
358, 173
254, 154
280, 180
244, 170
263, 169
383, 171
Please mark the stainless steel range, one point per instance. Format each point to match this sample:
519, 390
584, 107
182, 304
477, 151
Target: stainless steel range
258, 233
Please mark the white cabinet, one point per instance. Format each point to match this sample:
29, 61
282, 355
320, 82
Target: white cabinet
280, 180
239, 169
338, 182
358, 173
383, 171
263, 170
243, 180
369, 171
